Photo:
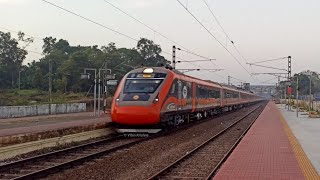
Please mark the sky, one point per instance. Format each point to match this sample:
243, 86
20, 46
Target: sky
260, 30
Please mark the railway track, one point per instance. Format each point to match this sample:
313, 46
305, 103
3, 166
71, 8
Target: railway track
45, 164
53, 162
204, 160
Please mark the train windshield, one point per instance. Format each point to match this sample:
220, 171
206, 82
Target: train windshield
141, 85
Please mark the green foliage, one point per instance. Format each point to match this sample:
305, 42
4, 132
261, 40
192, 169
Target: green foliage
15, 97
11, 58
304, 82
68, 62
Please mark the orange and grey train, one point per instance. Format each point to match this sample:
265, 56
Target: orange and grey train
150, 99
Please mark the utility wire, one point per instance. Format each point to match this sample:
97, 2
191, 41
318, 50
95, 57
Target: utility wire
200, 67
92, 21
269, 80
37, 38
99, 24
276, 59
237, 79
228, 37
155, 31
144, 24
214, 37
190, 52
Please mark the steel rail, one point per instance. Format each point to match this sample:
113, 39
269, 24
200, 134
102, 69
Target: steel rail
55, 168
215, 169
61, 166
158, 174
19, 163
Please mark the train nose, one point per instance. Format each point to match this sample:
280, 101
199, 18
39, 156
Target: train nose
135, 115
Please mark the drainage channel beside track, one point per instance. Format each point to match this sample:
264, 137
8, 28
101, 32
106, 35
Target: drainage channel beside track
204, 160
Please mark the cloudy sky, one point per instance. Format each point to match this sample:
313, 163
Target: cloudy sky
260, 30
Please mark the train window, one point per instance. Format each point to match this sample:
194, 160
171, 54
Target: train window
214, 94
173, 88
202, 92
152, 75
141, 85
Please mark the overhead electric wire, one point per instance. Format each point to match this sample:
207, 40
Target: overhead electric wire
269, 80
101, 25
269, 67
152, 29
89, 20
190, 52
276, 59
35, 37
214, 37
237, 79
144, 24
200, 67
228, 37
94, 22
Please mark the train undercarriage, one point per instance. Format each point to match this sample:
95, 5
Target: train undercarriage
174, 119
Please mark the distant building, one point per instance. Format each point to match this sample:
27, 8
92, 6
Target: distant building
246, 86
265, 91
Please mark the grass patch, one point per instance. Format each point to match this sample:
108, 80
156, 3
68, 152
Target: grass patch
15, 97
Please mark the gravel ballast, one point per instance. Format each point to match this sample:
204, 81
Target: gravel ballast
143, 160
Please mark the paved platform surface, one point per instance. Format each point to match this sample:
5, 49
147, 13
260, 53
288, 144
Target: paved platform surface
268, 151
307, 131
13, 126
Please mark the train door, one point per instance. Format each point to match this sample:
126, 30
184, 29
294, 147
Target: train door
180, 95
194, 96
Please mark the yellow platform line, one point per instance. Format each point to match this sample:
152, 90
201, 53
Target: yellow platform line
306, 166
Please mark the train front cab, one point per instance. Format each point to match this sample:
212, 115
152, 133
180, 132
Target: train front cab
137, 102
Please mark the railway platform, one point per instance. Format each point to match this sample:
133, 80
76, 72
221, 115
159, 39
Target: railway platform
27, 129
270, 150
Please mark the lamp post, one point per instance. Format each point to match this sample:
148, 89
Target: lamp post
297, 98
310, 100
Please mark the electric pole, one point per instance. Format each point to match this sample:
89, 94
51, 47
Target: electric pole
297, 98
50, 85
173, 57
289, 80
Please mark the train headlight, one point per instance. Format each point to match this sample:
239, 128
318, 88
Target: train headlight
156, 99
117, 101
148, 70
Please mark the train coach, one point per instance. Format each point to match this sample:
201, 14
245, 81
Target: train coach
150, 99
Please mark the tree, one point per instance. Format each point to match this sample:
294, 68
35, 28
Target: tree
150, 52
68, 62
48, 44
11, 58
